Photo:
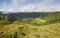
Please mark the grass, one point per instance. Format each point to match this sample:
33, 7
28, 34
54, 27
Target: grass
46, 26
24, 30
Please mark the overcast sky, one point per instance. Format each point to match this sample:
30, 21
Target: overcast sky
30, 5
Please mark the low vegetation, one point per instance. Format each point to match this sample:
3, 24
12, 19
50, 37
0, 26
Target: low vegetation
47, 26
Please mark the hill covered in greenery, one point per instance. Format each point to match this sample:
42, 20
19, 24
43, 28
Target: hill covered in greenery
30, 25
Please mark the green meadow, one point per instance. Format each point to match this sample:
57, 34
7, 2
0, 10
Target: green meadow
45, 26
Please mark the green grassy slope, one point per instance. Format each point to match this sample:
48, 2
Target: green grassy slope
23, 30
52, 17
32, 27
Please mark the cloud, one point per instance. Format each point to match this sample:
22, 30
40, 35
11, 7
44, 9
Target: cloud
4, 7
16, 5
54, 8
43, 6
27, 8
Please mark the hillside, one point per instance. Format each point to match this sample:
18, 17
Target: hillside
52, 17
23, 30
46, 25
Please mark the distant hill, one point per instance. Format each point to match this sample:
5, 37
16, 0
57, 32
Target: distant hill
15, 16
49, 16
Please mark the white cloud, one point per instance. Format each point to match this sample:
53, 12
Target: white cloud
15, 2
40, 7
43, 6
28, 8
54, 8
